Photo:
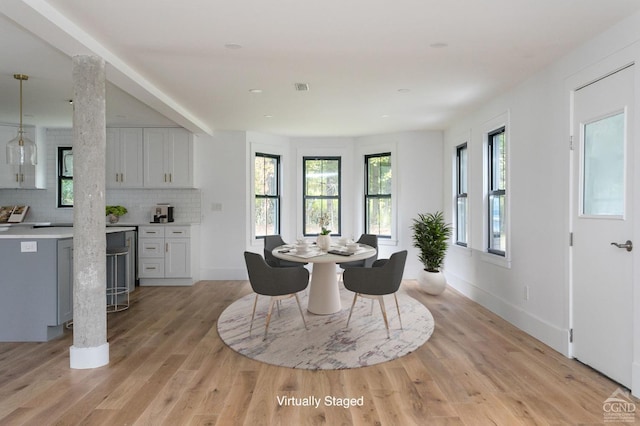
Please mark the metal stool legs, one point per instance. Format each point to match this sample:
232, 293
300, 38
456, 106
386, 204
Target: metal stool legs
117, 294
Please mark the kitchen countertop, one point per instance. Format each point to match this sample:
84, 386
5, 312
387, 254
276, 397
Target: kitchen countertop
22, 232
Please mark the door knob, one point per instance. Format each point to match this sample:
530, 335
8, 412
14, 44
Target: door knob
628, 245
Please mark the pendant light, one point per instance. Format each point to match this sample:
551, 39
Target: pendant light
21, 150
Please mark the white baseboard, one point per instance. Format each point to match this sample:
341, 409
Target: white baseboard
223, 274
549, 334
167, 282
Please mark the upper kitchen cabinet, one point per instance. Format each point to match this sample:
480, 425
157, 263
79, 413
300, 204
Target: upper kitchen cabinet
14, 176
124, 158
168, 158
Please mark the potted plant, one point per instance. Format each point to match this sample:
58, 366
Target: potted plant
431, 236
324, 238
114, 213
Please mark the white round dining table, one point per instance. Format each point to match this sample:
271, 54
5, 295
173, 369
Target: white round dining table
324, 294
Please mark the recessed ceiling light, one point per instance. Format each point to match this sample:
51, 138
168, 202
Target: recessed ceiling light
268, 116
438, 45
255, 90
404, 90
385, 116
233, 46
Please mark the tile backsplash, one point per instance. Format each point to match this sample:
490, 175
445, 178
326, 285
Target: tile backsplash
187, 202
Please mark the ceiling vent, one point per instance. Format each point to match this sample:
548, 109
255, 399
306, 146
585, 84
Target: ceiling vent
302, 87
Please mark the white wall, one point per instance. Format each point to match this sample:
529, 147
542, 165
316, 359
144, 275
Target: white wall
220, 164
418, 174
224, 163
539, 190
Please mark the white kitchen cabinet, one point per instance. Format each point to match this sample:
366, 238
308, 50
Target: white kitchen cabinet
14, 176
124, 158
168, 158
164, 255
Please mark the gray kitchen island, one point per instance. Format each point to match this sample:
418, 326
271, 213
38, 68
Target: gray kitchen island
36, 279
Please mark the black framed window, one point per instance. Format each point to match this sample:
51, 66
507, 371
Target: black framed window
377, 194
497, 182
321, 195
65, 176
267, 194
462, 202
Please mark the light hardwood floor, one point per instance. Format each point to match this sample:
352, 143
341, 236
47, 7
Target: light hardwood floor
168, 366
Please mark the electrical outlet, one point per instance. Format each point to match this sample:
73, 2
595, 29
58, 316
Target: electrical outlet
28, 246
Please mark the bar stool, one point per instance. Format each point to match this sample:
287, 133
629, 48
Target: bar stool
117, 293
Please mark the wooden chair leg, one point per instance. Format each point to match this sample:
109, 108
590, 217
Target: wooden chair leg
266, 326
300, 308
384, 314
253, 314
398, 308
355, 296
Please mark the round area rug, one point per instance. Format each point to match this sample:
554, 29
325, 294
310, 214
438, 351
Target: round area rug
327, 344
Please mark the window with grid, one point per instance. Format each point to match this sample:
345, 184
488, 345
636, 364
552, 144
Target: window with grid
377, 197
267, 194
65, 176
496, 191
321, 195
462, 204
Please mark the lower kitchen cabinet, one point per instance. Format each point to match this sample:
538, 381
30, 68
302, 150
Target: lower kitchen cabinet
37, 281
165, 254
65, 280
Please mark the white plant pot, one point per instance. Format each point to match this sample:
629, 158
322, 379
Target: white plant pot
433, 283
324, 242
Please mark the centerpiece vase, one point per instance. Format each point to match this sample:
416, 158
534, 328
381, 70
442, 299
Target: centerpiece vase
324, 242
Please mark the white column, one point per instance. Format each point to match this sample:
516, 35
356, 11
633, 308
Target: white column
90, 347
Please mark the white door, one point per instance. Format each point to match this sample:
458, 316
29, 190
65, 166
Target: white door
601, 216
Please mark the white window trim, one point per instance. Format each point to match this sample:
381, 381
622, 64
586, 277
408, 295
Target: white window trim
461, 140
271, 150
502, 120
345, 191
373, 150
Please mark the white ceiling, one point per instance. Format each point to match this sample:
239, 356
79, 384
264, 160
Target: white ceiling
373, 66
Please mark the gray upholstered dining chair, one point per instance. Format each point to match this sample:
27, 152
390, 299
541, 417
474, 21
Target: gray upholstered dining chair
271, 242
384, 277
370, 240
278, 283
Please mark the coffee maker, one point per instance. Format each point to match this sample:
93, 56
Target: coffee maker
162, 213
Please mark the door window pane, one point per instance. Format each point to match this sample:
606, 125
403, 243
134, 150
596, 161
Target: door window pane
604, 165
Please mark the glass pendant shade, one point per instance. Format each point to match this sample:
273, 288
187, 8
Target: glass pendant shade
21, 150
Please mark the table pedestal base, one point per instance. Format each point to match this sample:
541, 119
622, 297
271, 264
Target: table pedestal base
324, 295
